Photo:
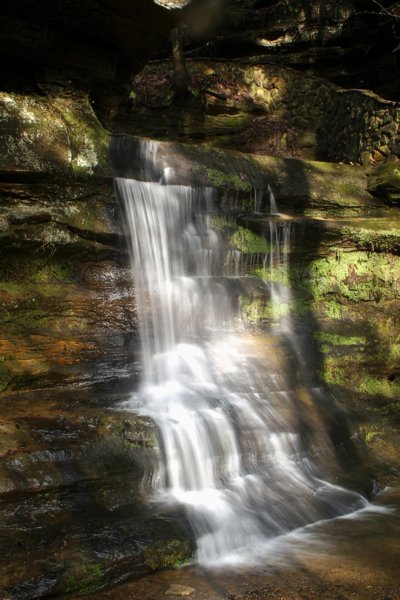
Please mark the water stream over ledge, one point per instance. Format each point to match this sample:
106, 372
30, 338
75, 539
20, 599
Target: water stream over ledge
232, 449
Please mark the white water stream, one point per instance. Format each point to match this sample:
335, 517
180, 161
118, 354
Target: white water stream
228, 452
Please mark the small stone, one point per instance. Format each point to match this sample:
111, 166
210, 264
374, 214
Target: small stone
385, 150
307, 138
175, 589
377, 156
384, 182
365, 157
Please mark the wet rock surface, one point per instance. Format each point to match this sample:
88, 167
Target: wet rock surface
346, 559
74, 513
65, 288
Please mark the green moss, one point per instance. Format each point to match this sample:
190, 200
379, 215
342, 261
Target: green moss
174, 554
355, 276
53, 272
299, 307
384, 181
330, 308
278, 274
334, 372
322, 167
88, 139
232, 121
5, 376
19, 322
37, 268
31, 307
394, 351
374, 386
384, 340
343, 278
227, 180
391, 410
252, 310
10, 287
258, 310
88, 579
339, 340
370, 435
341, 370
219, 223
248, 242
383, 240
349, 189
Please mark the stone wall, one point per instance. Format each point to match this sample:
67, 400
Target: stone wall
338, 124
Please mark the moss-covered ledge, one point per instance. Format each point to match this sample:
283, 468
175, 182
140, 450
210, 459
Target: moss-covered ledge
301, 186
52, 135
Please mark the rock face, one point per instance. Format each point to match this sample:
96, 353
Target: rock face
73, 517
51, 135
64, 283
61, 256
352, 43
328, 122
74, 514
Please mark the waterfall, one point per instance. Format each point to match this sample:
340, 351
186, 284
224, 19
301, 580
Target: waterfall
273, 207
230, 451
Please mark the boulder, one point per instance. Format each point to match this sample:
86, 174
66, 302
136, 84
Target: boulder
51, 135
384, 182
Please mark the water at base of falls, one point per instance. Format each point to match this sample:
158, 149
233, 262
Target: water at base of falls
230, 449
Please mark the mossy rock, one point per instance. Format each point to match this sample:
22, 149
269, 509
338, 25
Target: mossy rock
310, 187
374, 235
248, 242
384, 182
355, 276
51, 135
231, 181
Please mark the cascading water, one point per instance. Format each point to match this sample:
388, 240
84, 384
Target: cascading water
229, 449
273, 207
